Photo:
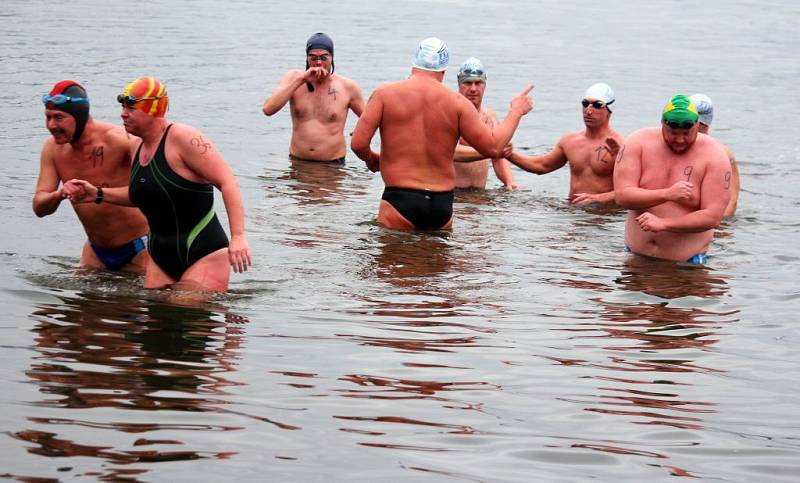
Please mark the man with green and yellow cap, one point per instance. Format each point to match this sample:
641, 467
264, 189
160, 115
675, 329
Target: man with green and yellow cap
675, 185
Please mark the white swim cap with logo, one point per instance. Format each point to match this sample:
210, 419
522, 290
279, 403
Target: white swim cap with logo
705, 108
471, 69
431, 55
602, 92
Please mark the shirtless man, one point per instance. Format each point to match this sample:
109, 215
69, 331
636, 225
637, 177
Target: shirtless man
81, 147
421, 122
318, 102
590, 153
705, 109
675, 184
472, 168
175, 171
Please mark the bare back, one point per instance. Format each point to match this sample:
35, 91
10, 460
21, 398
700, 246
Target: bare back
419, 131
103, 159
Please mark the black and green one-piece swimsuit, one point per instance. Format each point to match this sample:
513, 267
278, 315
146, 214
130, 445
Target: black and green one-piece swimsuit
183, 225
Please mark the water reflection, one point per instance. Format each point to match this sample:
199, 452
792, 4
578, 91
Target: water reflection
651, 354
315, 183
128, 354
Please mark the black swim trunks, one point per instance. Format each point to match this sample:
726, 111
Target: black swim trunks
335, 161
183, 225
426, 210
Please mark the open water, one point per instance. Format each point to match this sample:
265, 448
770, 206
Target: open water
523, 346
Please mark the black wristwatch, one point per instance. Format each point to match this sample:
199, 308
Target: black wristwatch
99, 198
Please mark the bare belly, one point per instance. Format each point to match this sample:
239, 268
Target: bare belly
664, 244
318, 142
472, 175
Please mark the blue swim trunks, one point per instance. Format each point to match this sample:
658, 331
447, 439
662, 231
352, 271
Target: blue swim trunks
699, 259
116, 258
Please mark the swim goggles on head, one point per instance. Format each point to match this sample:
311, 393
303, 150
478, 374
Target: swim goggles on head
680, 125
130, 100
59, 99
595, 104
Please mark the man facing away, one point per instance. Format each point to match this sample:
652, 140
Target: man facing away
472, 168
318, 102
590, 153
705, 109
420, 122
675, 184
81, 147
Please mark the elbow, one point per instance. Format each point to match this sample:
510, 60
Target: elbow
620, 199
268, 108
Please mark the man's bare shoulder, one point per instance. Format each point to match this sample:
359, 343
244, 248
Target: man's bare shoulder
643, 135
717, 151
571, 138
348, 82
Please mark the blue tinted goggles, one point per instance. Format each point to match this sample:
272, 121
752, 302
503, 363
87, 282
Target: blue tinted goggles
59, 99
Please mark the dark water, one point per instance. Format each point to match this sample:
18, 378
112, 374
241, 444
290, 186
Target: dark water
522, 346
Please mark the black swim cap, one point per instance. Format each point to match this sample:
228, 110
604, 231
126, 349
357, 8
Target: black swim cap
319, 41
78, 110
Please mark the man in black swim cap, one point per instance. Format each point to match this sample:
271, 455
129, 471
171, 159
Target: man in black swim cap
81, 147
319, 101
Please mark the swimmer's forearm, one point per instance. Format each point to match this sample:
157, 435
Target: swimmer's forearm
532, 164
281, 96
695, 222
234, 206
634, 198
46, 203
506, 130
116, 196
466, 154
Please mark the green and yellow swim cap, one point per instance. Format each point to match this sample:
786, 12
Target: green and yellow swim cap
680, 109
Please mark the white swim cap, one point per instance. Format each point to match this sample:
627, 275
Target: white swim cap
431, 55
705, 108
471, 69
601, 92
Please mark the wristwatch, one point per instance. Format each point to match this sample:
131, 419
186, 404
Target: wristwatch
99, 198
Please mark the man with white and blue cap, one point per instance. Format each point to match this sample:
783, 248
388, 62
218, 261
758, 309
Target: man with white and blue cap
472, 168
421, 122
590, 152
705, 109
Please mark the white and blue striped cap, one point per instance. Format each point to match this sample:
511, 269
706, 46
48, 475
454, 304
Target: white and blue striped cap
431, 55
705, 108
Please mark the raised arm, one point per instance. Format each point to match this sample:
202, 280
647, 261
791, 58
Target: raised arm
627, 172
365, 129
490, 144
290, 82
48, 195
200, 156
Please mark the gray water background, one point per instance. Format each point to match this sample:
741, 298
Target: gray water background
522, 346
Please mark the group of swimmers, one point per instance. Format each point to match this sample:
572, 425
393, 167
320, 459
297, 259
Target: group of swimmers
147, 205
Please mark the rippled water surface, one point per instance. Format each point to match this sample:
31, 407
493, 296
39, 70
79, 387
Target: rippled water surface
522, 346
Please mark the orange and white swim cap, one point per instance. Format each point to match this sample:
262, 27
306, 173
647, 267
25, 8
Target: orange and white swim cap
147, 94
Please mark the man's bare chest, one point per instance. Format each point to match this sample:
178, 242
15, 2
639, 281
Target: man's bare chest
594, 158
328, 104
94, 162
